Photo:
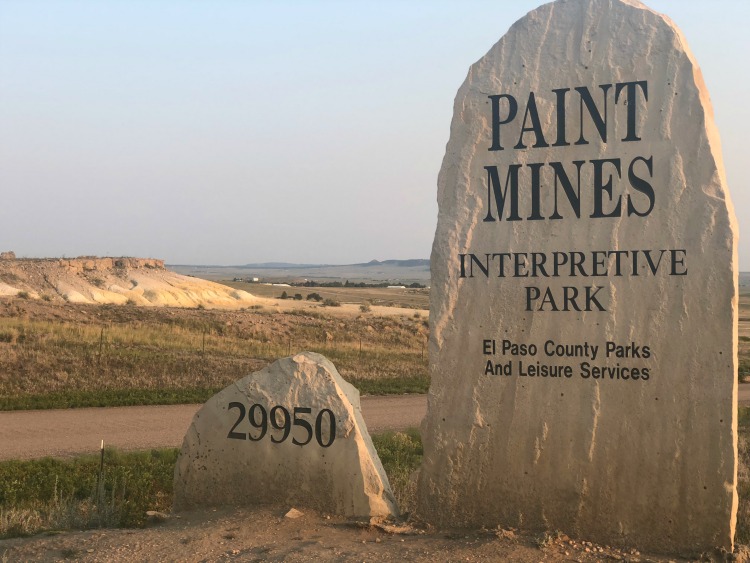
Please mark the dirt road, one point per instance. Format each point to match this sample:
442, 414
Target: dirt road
64, 433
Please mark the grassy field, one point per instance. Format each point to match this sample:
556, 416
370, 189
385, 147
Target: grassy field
744, 336
50, 494
86, 355
58, 356
396, 297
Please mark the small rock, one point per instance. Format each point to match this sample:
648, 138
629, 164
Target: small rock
293, 513
156, 516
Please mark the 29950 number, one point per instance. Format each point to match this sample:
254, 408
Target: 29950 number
281, 423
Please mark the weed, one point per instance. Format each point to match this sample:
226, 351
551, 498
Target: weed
743, 370
23, 294
61, 494
331, 303
548, 538
401, 454
8, 335
53, 494
365, 307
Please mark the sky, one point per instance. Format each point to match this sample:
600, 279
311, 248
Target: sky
231, 132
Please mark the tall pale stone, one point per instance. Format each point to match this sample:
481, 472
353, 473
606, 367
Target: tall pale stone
584, 290
291, 434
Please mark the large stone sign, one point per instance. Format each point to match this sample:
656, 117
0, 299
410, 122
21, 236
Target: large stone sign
584, 290
291, 434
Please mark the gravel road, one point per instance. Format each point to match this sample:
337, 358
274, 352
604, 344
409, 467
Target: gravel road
69, 432
66, 433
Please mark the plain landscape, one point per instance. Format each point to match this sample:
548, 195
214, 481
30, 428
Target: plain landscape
145, 349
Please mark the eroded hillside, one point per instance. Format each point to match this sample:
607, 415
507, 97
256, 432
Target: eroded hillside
139, 281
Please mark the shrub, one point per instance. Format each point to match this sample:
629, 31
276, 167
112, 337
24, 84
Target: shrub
331, 303
743, 371
284, 295
314, 297
23, 294
401, 454
298, 296
365, 307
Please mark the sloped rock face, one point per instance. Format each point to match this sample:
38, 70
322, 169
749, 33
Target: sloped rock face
291, 434
140, 281
584, 290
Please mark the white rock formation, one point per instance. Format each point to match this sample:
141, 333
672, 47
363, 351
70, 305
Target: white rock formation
583, 348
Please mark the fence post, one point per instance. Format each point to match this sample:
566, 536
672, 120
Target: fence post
101, 346
203, 355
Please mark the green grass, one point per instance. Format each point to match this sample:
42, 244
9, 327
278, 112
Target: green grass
743, 369
392, 385
53, 494
401, 455
73, 398
742, 533
107, 398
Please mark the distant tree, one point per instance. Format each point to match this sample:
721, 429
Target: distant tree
284, 295
298, 296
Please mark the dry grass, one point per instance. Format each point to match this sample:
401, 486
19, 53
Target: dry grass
396, 297
47, 349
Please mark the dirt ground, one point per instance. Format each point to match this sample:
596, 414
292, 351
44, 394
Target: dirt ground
26, 434
264, 534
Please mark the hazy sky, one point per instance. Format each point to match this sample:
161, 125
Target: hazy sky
228, 132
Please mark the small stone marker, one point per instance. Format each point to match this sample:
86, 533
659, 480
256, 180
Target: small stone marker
583, 348
289, 434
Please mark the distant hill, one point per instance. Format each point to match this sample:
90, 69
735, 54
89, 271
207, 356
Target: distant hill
416, 262
397, 263
275, 265
398, 272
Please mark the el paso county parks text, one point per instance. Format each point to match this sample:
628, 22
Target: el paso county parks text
529, 366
